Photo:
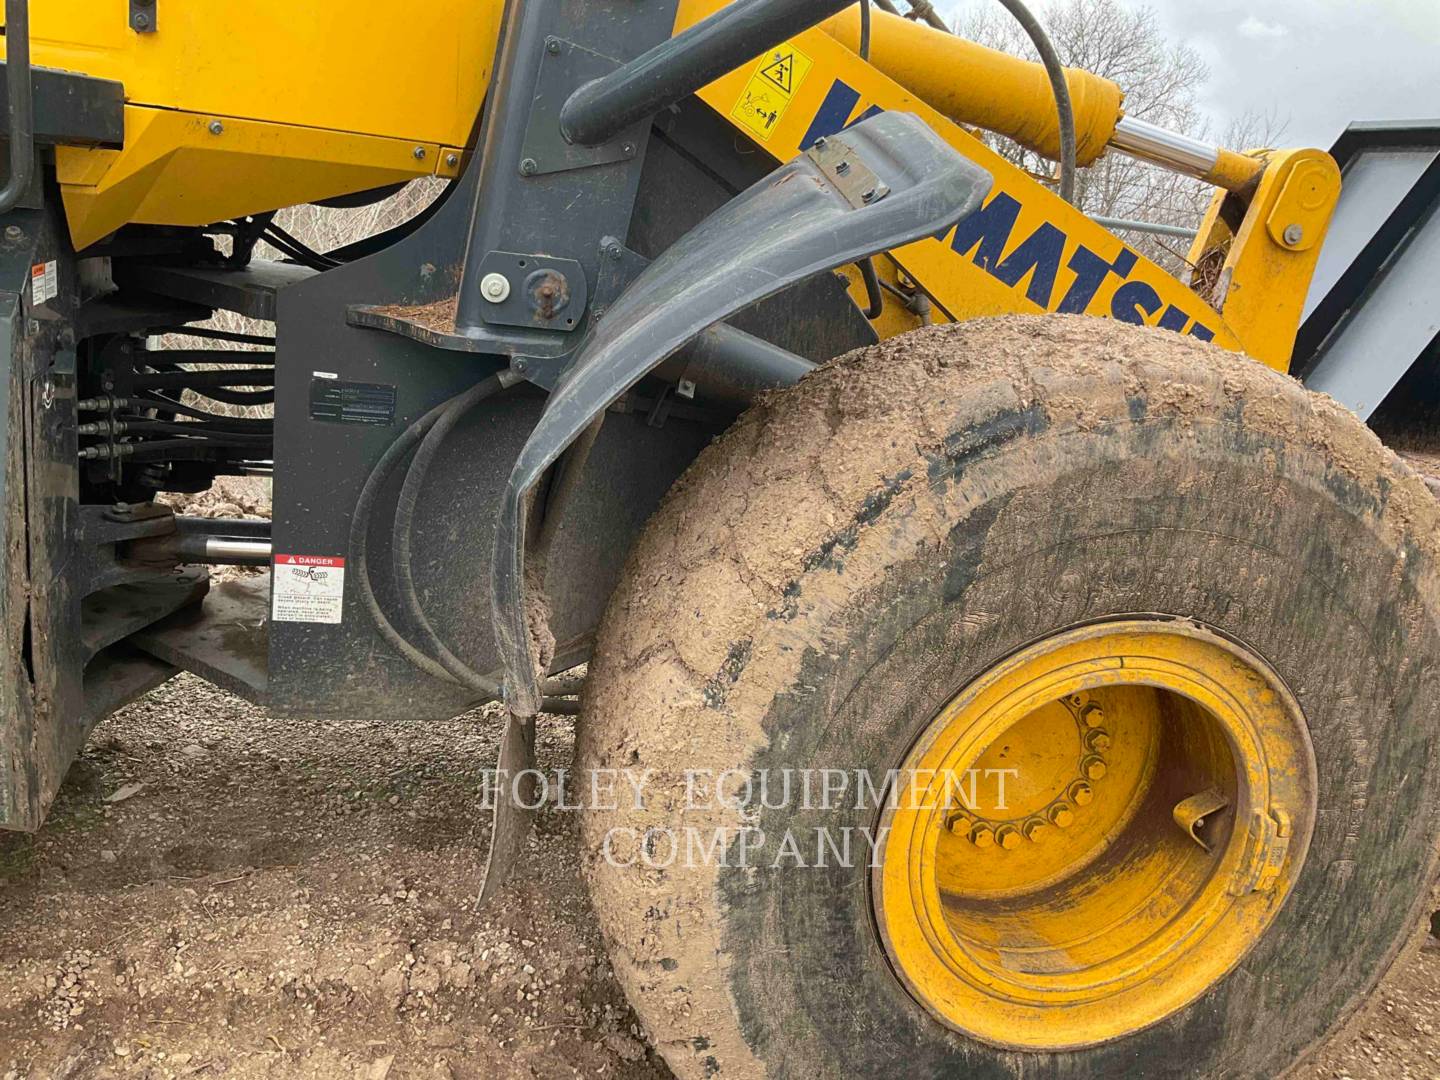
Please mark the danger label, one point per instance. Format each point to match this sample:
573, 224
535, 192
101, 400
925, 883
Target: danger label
770, 89
44, 283
307, 588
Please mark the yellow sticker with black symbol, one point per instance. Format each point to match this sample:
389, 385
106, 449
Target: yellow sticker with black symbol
771, 88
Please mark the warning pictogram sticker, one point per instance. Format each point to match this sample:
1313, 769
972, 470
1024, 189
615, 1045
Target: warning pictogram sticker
781, 72
771, 88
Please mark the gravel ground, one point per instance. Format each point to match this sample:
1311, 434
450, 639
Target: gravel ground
221, 893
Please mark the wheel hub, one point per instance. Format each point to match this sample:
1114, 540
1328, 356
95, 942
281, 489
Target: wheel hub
1094, 832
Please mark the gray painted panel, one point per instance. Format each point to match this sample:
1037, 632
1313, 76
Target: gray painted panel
1374, 183
1389, 328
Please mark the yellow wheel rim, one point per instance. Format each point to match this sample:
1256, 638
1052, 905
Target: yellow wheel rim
1157, 803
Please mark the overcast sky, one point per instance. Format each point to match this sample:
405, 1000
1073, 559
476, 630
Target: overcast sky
1316, 63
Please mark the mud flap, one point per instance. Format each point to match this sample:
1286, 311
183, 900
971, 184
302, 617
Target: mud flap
885, 182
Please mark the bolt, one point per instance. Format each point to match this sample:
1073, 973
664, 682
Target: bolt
141, 21
819, 144
419, 153
1093, 715
529, 166
216, 127
122, 508
14, 232
959, 825
612, 250
842, 168
1098, 740
495, 287
868, 195
982, 836
1036, 830
452, 160
552, 46
1080, 793
1008, 837
1294, 234
628, 149
1061, 816
1093, 767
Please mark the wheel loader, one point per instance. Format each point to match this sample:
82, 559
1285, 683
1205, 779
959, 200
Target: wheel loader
1018, 660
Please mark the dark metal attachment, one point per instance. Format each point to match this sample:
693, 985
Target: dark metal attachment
143, 16
678, 67
20, 109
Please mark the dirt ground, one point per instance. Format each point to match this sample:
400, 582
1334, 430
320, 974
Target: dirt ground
218, 892
221, 893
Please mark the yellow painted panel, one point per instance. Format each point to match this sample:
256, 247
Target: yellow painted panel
413, 71
175, 170
1034, 251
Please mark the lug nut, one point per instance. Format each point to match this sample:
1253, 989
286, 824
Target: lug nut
959, 825
982, 837
1098, 739
1080, 793
1062, 817
1093, 715
1008, 837
1093, 767
1036, 830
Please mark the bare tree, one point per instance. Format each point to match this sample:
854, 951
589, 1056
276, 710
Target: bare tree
1163, 82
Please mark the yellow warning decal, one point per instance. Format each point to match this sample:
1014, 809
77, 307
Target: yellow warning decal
772, 85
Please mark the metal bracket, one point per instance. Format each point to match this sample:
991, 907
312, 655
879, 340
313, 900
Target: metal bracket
539, 291
144, 16
565, 66
1191, 813
847, 171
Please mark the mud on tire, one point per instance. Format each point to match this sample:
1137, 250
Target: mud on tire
857, 549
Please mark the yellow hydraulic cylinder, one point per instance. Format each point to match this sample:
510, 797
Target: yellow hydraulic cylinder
984, 88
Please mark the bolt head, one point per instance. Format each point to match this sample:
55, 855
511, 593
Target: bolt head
628, 149
216, 127
1062, 817
1080, 793
613, 251
982, 836
1093, 715
1036, 830
141, 21
419, 153
1008, 837
552, 46
1098, 739
1294, 233
495, 287
529, 166
452, 160
841, 168
959, 825
14, 232
1093, 767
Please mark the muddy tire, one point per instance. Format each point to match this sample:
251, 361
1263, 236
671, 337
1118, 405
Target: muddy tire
857, 551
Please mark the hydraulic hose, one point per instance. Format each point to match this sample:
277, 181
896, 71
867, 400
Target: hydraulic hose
1061, 87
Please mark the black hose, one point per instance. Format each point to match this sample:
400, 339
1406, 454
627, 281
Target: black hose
297, 249
200, 430
875, 302
360, 542
164, 404
195, 380
238, 397
1061, 88
865, 30
402, 532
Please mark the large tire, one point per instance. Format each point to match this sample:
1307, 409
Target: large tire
858, 548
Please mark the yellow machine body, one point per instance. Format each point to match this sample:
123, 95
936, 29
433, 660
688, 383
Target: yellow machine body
235, 109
